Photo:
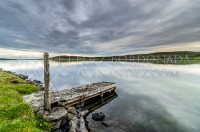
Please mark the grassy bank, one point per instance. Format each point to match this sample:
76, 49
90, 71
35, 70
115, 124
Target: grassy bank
15, 115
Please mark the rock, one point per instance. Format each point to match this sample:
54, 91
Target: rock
10, 72
42, 88
22, 76
64, 125
56, 125
74, 125
29, 81
72, 110
98, 116
70, 116
46, 112
36, 100
82, 125
37, 82
25, 77
14, 81
57, 114
83, 113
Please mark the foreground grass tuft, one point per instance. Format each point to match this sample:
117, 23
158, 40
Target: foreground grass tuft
15, 115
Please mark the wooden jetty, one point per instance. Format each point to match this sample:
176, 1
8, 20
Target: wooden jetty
58, 105
46, 100
70, 97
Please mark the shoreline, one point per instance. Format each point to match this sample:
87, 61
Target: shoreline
61, 118
16, 115
71, 119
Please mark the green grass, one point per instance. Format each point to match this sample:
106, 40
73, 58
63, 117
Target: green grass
15, 115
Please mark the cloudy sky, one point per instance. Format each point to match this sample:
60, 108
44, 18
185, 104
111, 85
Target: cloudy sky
98, 27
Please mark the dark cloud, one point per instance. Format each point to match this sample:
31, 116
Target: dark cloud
97, 26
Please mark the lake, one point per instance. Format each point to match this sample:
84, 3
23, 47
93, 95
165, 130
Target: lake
151, 97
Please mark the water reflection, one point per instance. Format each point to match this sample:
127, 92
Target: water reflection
150, 96
135, 113
97, 102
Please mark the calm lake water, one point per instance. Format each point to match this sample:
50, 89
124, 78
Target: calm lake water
151, 97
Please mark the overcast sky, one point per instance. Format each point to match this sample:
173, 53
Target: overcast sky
95, 27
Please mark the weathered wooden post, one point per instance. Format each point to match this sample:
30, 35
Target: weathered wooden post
47, 94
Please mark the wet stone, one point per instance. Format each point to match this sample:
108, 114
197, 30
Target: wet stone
64, 125
98, 116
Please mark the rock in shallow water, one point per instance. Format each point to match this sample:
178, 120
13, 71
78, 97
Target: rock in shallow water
98, 116
64, 126
83, 113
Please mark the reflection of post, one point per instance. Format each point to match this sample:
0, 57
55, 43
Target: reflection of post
102, 100
47, 96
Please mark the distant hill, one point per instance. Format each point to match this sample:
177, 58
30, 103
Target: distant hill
4, 59
19, 59
177, 57
158, 57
